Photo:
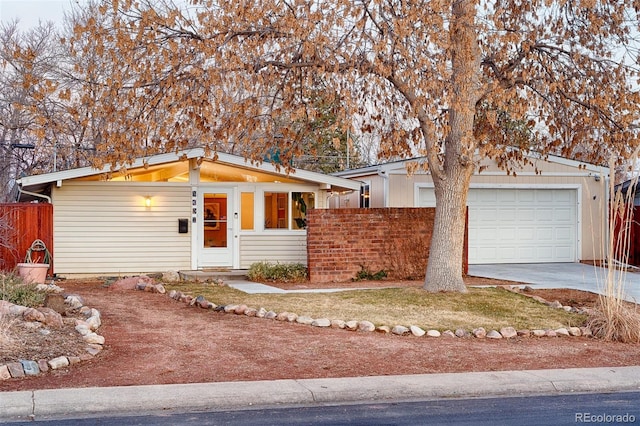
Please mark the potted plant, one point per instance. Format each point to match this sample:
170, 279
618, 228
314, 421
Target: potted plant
36, 263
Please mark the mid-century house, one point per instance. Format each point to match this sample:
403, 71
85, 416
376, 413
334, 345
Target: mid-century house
551, 211
179, 211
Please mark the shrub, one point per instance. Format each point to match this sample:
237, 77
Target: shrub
284, 272
14, 290
365, 274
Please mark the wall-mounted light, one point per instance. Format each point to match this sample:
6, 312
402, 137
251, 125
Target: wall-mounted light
147, 201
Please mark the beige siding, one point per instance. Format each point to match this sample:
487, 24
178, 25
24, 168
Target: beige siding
105, 228
593, 216
282, 248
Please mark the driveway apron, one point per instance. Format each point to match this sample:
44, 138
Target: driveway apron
560, 275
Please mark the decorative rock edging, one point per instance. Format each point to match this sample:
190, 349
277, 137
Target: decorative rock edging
367, 326
85, 327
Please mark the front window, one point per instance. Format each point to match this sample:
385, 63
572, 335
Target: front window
279, 207
276, 210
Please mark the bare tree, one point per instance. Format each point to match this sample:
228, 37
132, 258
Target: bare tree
440, 77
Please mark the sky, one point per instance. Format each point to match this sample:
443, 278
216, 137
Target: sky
30, 12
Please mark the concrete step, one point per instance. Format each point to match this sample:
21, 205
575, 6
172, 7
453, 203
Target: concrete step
212, 274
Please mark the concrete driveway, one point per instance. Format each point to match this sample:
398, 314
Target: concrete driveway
559, 275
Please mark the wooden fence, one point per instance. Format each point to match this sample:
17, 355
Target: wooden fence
20, 225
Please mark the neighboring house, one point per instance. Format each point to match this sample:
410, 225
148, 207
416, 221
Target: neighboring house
179, 211
553, 211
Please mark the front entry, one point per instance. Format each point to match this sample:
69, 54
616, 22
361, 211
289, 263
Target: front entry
215, 228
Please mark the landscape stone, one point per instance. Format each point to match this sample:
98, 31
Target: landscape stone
433, 333
83, 329
538, 333
159, 288
230, 308
400, 330
42, 364
292, 317
448, 333
93, 349
251, 312
282, 316
303, 319
239, 310
550, 333
480, 332
367, 326
94, 322
524, 333
508, 332
93, 338
261, 313
58, 362
383, 329
575, 331
493, 334
460, 332
17, 309
74, 360
270, 315
74, 301
171, 277
562, 331
337, 323
32, 314
172, 294
4, 372
51, 318
351, 325
417, 331
321, 322
15, 369
556, 304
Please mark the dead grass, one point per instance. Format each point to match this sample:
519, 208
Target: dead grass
491, 308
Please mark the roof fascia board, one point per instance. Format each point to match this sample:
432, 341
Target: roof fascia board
191, 153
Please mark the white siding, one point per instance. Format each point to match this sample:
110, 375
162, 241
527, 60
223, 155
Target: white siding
105, 228
282, 248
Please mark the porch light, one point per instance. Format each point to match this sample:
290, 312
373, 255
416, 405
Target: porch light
147, 201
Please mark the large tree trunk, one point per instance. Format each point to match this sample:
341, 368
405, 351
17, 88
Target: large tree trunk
451, 178
444, 270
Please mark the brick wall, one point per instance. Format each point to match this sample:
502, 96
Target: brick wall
341, 242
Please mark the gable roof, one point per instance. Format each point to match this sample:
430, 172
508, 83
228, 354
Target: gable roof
38, 183
394, 166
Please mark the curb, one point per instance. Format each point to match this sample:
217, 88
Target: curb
29, 405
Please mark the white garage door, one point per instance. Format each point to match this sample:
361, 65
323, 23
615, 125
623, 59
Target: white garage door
519, 225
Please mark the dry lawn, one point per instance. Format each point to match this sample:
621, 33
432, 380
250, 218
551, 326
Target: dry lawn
491, 308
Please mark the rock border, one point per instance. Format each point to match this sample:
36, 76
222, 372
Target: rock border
85, 327
368, 326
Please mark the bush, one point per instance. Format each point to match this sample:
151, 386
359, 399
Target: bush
14, 290
364, 274
284, 272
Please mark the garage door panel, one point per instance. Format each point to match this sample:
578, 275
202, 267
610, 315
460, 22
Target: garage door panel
520, 225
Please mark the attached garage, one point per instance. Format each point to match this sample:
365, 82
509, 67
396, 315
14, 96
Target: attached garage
553, 210
519, 225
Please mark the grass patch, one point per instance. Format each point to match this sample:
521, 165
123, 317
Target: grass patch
491, 308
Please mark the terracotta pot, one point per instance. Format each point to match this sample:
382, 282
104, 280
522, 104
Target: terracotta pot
33, 272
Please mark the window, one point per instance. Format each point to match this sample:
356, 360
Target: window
364, 195
246, 211
302, 201
277, 211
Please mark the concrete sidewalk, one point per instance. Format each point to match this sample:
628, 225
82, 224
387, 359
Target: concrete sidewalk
90, 402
